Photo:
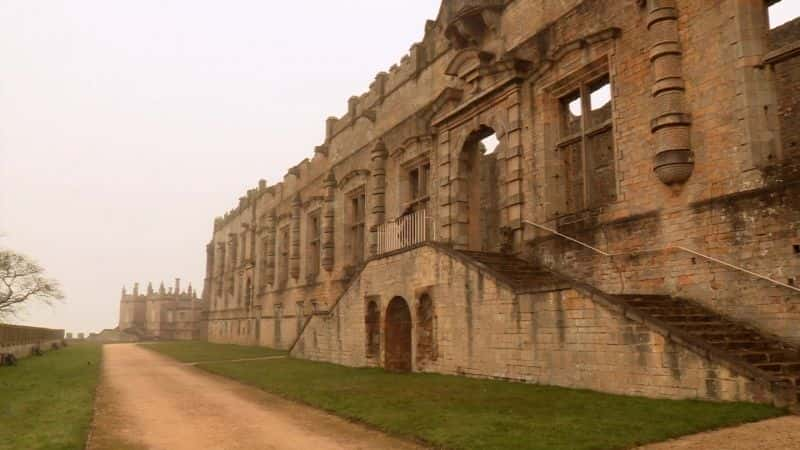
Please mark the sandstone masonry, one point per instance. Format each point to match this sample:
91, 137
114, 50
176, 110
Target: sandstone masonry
598, 193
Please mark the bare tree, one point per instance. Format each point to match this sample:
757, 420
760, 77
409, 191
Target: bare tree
22, 280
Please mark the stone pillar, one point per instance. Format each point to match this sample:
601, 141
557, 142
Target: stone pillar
674, 160
219, 277
329, 223
511, 173
270, 259
294, 258
379, 155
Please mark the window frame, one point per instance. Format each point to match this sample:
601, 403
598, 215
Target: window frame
581, 89
418, 194
314, 244
356, 227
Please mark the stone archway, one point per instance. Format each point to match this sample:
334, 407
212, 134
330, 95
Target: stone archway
480, 200
398, 336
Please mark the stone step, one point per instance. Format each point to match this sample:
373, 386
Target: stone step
747, 346
789, 367
694, 321
678, 317
755, 357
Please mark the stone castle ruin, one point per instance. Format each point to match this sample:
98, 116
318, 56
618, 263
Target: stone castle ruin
635, 230
164, 314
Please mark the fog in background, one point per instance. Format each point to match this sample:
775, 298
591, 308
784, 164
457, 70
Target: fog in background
127, 126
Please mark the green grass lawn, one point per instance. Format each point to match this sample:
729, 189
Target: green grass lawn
463, 413
46, 401
203, 351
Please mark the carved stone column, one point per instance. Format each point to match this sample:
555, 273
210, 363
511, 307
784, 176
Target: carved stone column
671, 124
210, 248
294, 259
270, 263
379, 156
329, 223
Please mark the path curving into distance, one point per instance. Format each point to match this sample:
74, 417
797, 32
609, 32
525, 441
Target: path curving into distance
148, 401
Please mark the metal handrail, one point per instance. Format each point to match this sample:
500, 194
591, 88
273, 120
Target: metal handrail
668, 247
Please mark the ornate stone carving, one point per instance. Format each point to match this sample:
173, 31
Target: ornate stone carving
328, 222
294, 259
473, 23
269, 272
379, 155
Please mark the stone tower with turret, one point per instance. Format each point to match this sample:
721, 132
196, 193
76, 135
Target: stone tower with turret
173, 314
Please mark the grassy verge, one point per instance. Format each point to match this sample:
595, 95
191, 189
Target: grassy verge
205, 352
46, 401
462, 413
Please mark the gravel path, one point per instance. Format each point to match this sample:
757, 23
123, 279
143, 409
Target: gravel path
148, 401
776, 434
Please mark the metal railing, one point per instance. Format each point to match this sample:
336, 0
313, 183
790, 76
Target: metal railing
663, 249
406, 231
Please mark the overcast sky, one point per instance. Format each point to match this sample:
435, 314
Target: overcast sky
127, 126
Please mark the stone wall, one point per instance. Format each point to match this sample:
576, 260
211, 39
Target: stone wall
787, 76
21, 340
483, 328
688, 79
751, 230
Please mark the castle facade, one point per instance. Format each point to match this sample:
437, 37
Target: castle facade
164, 314
600, 194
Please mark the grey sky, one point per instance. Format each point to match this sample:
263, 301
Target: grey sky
127, 126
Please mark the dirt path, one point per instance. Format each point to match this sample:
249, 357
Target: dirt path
147, 401
775, 434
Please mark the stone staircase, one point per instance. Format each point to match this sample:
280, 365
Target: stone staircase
765, 356
520, 274
743, 344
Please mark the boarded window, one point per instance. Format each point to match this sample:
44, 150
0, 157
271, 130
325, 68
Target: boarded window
373, 328
425, 332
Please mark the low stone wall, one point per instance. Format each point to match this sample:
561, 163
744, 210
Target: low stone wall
21, 340
482, 328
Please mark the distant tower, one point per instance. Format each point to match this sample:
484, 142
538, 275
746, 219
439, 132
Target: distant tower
161, 289
136, 289
189, 292
149, 289
177, 286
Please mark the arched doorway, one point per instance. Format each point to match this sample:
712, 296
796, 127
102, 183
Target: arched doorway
480, 166
398, 336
